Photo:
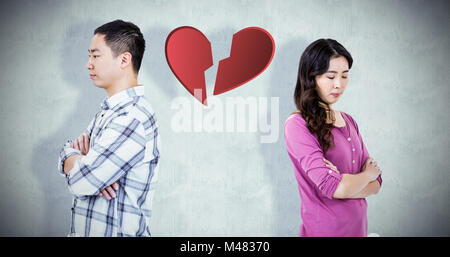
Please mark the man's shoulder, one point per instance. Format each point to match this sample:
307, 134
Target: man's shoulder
140, 110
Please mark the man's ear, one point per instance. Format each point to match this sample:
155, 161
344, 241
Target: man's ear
125, 60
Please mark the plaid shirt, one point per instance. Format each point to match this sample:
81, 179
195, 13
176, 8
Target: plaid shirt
124, 144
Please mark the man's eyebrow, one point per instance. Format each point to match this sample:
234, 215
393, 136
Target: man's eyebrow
93, 50
332, 71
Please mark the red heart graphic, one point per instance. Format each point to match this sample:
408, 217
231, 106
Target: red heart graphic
188, 53
252, 50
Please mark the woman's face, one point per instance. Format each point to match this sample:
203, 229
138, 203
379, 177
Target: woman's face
331, 85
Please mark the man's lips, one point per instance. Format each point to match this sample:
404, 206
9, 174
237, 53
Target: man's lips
92, 76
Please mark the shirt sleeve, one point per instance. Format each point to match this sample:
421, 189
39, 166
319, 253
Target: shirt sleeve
308, 154
363, 147
67, 150
65, 153
119, 147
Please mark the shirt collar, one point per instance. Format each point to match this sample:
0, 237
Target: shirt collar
122, 97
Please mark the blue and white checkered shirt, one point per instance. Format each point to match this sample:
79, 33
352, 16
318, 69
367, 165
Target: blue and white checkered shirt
124, 144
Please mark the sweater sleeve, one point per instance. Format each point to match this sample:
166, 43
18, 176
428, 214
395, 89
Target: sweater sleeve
305, 150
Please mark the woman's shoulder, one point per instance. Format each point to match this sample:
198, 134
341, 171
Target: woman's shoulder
296, 130
296, 118
296, 123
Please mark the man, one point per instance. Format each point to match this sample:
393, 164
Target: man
112, 168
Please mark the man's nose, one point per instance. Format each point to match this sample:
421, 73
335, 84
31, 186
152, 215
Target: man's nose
89, 65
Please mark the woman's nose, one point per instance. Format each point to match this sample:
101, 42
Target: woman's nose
337, 85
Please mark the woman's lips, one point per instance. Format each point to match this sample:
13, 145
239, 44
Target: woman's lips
91, 76
335, 95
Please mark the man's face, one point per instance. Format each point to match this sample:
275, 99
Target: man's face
103, 68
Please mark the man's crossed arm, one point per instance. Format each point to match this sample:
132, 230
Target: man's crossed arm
82, 143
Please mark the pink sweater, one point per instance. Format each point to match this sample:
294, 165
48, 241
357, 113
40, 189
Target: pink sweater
322, 215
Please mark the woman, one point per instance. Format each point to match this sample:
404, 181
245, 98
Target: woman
332, 166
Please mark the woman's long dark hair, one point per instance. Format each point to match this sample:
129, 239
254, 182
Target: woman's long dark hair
315, 61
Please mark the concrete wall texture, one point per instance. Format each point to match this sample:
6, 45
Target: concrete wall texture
229, 183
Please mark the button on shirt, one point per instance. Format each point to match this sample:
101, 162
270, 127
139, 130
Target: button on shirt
124, 144
322, 215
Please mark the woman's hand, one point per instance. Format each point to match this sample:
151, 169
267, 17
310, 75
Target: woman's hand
371, 169
331, 165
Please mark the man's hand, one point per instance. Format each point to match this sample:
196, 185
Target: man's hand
81, 143
108, 192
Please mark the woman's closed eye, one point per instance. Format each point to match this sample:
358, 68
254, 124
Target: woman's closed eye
333, 77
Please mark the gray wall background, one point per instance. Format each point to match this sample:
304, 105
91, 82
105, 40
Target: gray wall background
228, 184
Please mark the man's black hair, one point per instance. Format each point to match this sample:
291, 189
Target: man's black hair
122, 37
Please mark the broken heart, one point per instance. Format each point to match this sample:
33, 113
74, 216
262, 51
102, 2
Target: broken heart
188, 53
